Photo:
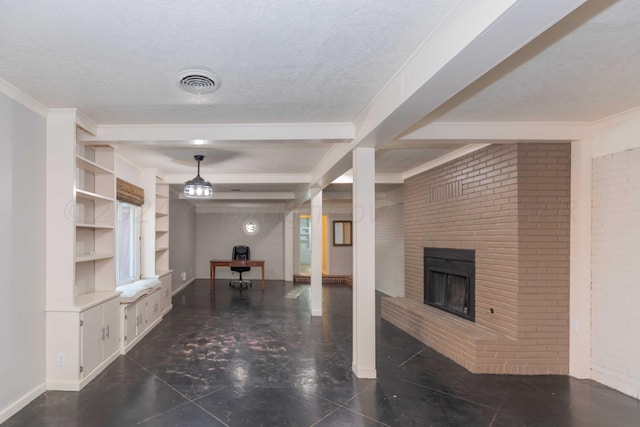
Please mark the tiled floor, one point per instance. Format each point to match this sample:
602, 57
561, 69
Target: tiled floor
259, 359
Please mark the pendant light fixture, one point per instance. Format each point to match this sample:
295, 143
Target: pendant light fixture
198, 188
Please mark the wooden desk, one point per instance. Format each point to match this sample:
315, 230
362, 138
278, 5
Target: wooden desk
231, 263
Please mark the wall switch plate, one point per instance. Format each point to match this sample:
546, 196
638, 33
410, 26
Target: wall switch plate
60, 360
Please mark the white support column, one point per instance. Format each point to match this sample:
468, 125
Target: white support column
316, 254
364, 254
148, 255
580, 260
288, 246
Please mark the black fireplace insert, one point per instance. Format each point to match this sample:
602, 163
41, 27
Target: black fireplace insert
449, 280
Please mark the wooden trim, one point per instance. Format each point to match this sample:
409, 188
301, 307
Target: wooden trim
129, 193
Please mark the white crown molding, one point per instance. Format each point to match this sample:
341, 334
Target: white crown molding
313, 132
504, 131
467, 149
86, 123
618, 118
17, 95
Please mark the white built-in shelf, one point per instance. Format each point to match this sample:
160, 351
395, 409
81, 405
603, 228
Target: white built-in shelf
162, 248
89, 166
96, 226
161, 231
82, 194
93, 257
91, 299
161, 214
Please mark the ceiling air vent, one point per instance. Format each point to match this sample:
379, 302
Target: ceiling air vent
198, 82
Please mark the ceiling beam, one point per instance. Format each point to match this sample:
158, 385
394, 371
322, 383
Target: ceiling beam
496, 131
227, 132
242, 195
248, 178
474, 38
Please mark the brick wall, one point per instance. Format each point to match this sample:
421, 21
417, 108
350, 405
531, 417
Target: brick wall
511, 204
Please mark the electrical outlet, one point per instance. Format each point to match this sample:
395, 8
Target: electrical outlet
60, 361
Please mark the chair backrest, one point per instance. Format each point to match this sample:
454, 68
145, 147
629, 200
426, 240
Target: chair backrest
240, 253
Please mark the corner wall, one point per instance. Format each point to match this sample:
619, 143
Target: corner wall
22, 255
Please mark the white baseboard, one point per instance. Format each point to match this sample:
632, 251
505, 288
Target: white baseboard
187, 283
12, 409
166, 310
364, 372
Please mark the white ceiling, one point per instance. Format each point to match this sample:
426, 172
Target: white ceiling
304, 83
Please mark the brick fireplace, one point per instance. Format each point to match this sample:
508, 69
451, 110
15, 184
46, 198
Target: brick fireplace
510, 205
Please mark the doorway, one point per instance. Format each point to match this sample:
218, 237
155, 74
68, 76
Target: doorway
305, 245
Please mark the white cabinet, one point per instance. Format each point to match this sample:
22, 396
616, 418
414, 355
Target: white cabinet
166, 293
100, 335
139, 317
82, 341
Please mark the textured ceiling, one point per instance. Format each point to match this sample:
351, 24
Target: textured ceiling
278, 60
585, 68
321, 62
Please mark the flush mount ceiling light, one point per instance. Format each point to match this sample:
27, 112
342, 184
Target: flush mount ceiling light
198, 82
198, 188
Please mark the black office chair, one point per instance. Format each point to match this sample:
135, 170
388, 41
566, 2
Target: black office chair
240, 253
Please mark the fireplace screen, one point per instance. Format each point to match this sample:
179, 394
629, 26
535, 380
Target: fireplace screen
449, 276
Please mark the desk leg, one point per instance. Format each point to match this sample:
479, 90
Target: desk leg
263, 277
212, 275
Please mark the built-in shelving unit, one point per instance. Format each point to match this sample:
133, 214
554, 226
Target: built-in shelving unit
162, 227
94, 217
82, 303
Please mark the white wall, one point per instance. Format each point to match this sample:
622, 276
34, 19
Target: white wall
127, 171
182, 240
615, 270
390, 245
22, 255
218, 231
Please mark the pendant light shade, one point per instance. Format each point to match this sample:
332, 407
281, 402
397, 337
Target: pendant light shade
198, 188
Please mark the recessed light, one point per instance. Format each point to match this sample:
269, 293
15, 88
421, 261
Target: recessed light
199, 141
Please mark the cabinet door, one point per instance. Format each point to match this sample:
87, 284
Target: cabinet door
143, 306
131, 323
166, 292
111, 323
92, 339
153, 307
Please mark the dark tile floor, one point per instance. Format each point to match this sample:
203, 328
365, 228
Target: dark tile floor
259, 359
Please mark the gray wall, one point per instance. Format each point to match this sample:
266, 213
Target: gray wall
22, 251
218, 232
182, 240
390, 246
